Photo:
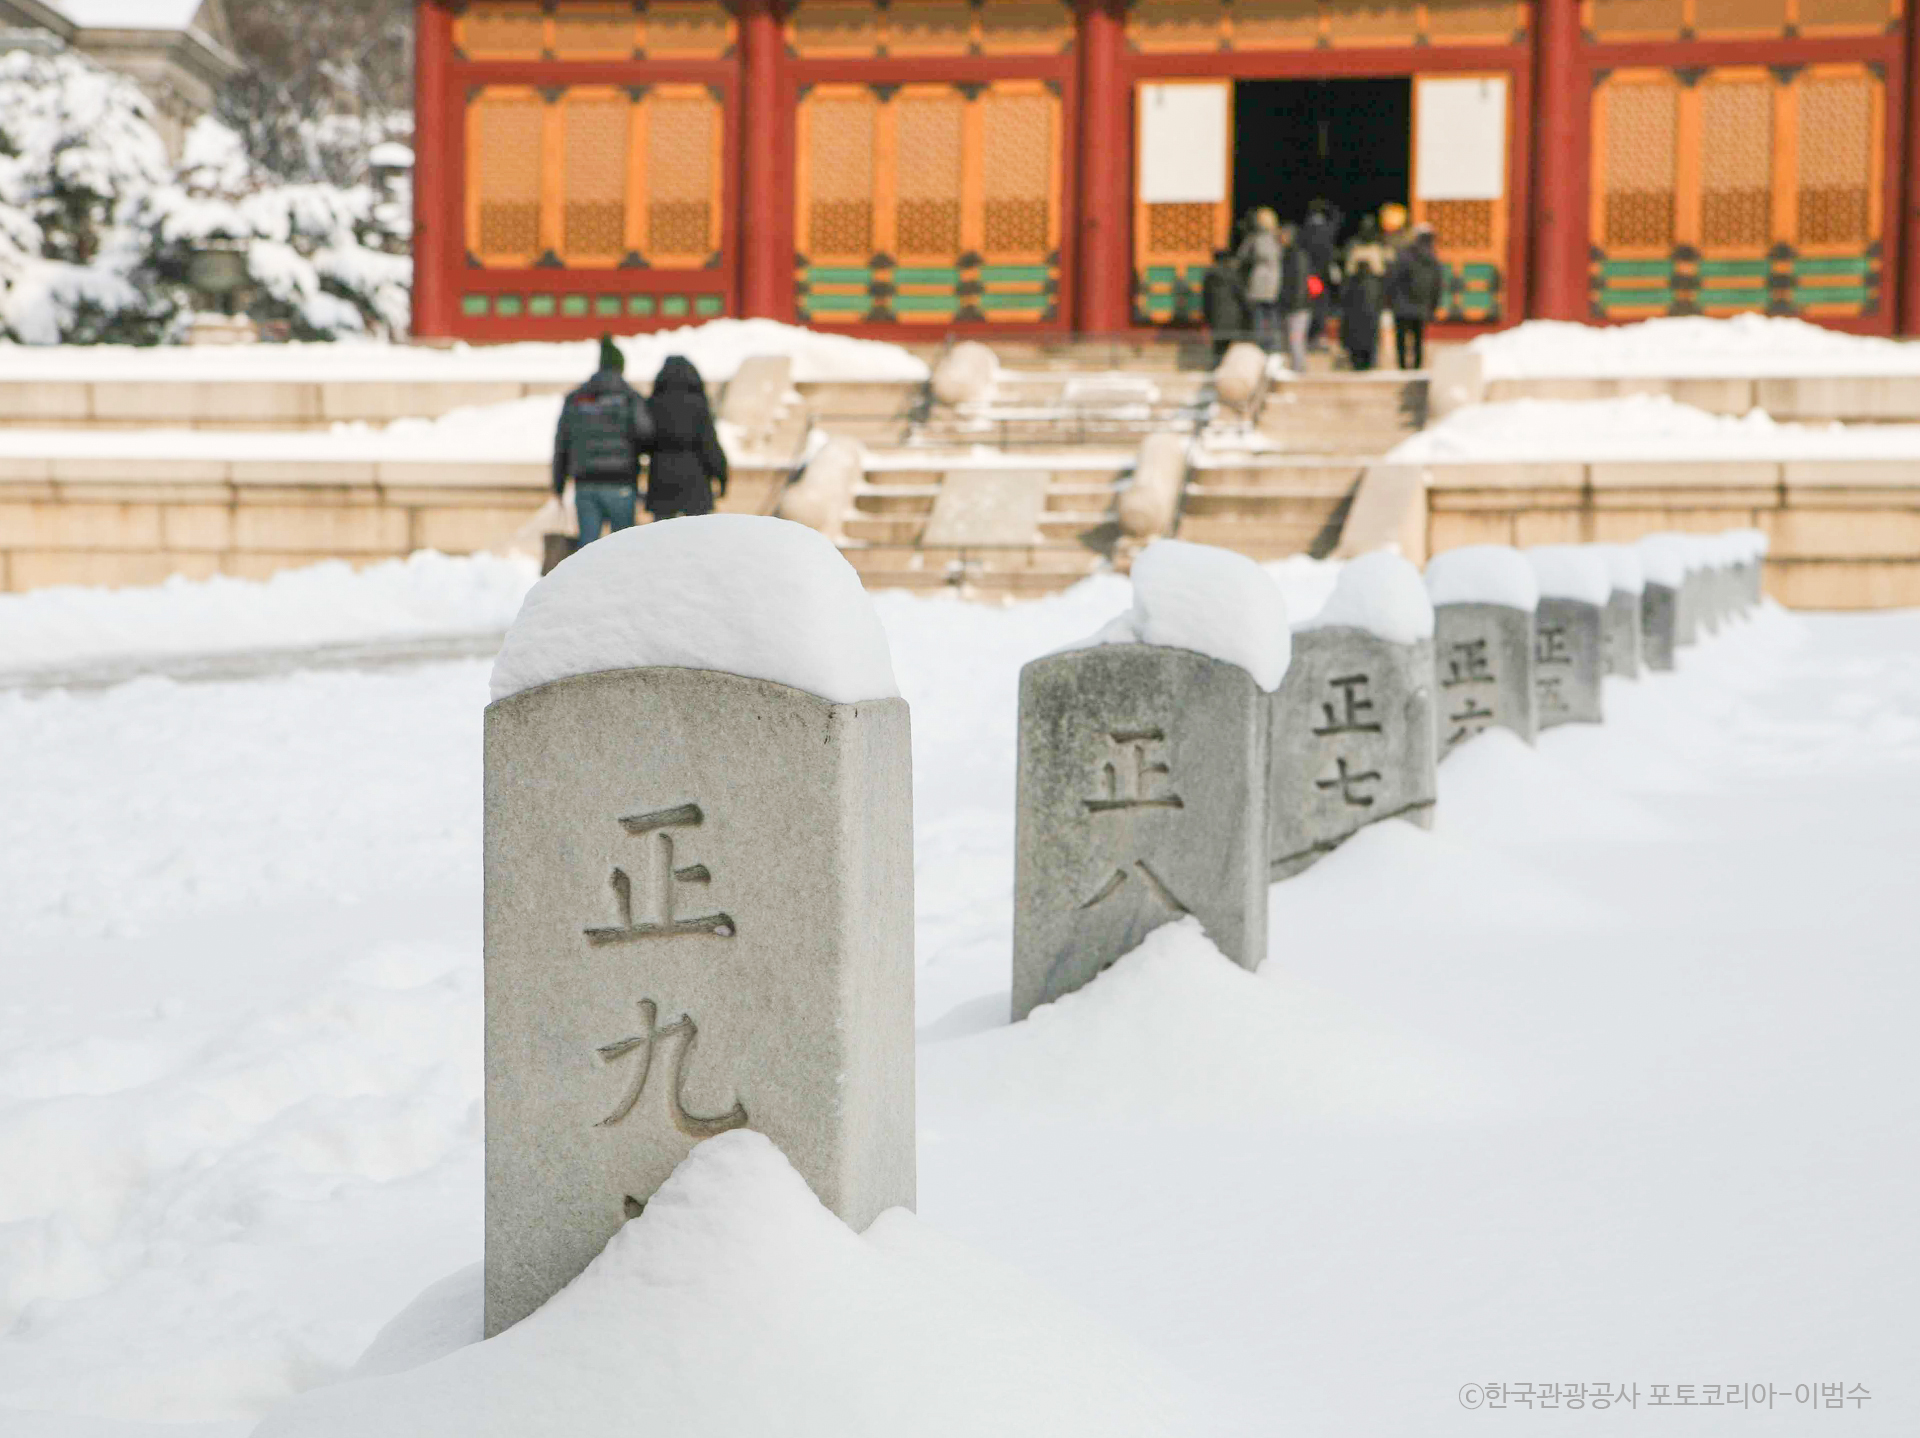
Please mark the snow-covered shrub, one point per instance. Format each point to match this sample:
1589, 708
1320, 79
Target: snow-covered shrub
98, 229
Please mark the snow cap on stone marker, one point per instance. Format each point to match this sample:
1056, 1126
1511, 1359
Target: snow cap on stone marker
1483, 574
1381, 593
1570, 571
1664, 559
1623, 566
739, 593
1212, 601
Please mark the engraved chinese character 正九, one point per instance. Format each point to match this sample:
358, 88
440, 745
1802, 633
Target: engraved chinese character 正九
1468, 663
1135, 774
1347, 714
684, 1029
1550, 645
651, 913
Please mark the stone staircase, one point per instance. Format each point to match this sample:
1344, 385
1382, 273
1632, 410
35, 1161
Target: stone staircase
1360, 414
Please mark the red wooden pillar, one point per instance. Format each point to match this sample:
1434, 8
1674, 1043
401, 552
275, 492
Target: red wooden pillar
1908, 230
436, 199
1558, 284
1105, 280
766, 256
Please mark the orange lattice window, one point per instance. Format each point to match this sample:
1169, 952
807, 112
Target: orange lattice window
1025, 27
1847, 17
1374, 22
1461, 224
1636, 19
1836, 161
837, 194
1274, 24
593, 214
1017, 171
1462, 21
696, 31
1176, 228
1740, 19
1176, 26
682, 176
929, 137
1736, 164
1640, 168
929, 27
501, 30
835, 27
505, 136
606, 31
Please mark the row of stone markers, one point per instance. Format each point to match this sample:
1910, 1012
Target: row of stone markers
1159, 778
699, 835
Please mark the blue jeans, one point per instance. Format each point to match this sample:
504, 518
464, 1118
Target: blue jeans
597, 502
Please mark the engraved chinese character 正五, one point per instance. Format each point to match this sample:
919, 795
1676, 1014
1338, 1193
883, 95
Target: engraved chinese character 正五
1468, 663
1135, 774
1347, 713
645, 1043
652, 912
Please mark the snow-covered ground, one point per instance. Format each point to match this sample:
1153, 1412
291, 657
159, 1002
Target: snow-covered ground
1607, 1079
716, 349
1638, 427
1743, 345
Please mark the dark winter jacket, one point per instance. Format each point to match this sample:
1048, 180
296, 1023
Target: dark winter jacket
1222, 302
1362, 298
687, 459
604, 432
1417, 283
1320, 238
1295, 268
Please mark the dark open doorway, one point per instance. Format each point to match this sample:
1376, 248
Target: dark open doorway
1294, 141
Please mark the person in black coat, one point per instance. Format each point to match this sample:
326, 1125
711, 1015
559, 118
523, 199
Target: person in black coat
1416, 288
1223, 303
688, 463
1320, 238
605, 432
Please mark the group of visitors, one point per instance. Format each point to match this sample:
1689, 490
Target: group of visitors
1285, 283
607, 431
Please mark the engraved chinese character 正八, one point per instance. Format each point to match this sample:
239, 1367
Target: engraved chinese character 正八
684, 1029
652, 913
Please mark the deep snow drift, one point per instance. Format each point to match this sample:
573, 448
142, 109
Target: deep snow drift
1607, 1078
1743, 345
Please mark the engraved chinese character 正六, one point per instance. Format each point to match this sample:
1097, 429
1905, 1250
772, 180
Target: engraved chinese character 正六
651, 914
1472, 718
1347, 713
684, 1029
1135, 774
1468, 663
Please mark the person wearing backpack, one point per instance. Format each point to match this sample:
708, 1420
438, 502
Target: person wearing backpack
605, 433
1416, 287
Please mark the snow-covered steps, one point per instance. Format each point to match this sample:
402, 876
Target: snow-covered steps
1269, 506
1360, 414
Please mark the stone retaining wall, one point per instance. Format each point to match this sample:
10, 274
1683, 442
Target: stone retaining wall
1845, 534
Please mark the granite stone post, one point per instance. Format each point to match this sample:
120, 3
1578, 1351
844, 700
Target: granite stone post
1569, 661
1621, 627
1142, 798
1659, 625
1483, 663
1353, 742
699, 917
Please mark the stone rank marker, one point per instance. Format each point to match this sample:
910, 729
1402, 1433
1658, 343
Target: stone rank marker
1142, 798
1569, 661
1352, 741
1483, 671
699, 916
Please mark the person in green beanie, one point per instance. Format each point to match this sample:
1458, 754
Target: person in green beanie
605, 432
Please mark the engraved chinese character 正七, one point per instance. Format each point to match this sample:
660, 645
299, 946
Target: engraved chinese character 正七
1350, 785
652, 913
